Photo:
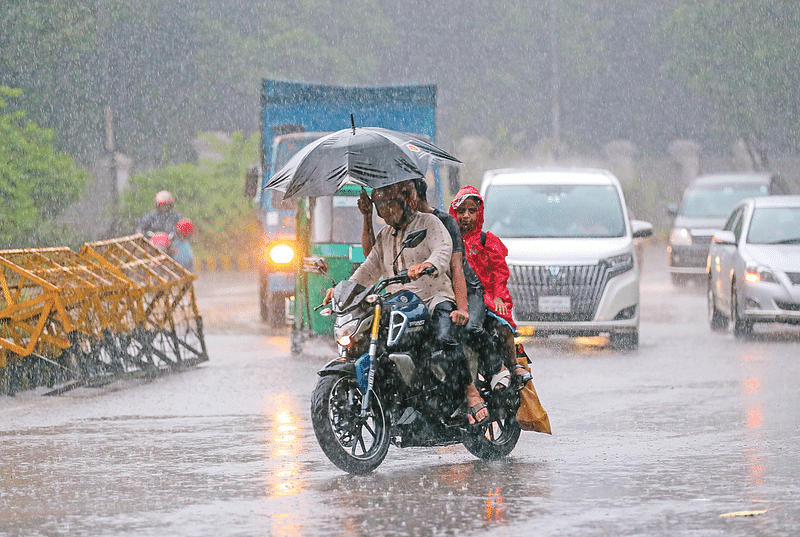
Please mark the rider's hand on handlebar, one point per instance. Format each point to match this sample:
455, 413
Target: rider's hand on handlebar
415, 270
460, 317
328, 296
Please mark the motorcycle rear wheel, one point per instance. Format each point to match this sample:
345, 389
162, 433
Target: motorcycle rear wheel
496, 439
353, 444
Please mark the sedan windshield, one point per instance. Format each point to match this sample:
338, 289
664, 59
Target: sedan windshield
779, 225
719, 200
550, 211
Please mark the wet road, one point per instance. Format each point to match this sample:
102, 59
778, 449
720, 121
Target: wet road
658, 441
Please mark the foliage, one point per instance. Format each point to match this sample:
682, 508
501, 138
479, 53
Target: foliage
210, 193
169, 69
741, 56
649, 71
36, 184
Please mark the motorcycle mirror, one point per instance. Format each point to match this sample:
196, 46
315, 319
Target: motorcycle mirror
413, 239
317, 265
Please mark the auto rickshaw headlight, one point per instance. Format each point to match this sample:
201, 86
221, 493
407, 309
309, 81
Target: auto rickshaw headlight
281, 254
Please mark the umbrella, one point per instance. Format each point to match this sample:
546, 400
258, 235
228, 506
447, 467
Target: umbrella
366, 156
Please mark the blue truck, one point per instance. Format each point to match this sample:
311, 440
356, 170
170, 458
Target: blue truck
294, 114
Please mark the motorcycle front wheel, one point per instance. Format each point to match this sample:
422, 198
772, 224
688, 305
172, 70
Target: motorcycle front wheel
496, 439
354, 444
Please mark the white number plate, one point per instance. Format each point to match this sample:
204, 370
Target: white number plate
554, 304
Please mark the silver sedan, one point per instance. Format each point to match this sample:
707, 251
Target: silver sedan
754, 265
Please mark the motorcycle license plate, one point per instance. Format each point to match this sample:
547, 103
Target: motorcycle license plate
555, 304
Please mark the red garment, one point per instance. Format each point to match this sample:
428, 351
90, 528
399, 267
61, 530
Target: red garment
488, 262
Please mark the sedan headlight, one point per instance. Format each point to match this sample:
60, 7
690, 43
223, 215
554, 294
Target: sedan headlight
756, 274
620, 263
680, 236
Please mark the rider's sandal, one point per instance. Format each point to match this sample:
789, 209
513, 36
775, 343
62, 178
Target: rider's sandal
473, 411
501, 379
523, 375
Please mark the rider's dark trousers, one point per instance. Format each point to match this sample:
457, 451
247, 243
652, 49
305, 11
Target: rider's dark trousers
452, 361
491, 360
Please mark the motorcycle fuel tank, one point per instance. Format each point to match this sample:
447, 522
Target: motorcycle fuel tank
408, 318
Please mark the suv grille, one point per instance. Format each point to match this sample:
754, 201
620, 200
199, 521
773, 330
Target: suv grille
583, 284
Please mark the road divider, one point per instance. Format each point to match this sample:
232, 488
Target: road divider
224, 263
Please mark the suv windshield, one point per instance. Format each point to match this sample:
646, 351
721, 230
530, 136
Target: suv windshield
554, 211
717, 201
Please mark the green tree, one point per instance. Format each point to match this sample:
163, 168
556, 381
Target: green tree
741, 57
36, 183
210, 193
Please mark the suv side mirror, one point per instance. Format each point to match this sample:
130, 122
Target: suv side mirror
641, 229
672, 209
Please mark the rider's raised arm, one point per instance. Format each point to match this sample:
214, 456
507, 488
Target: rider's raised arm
367, 231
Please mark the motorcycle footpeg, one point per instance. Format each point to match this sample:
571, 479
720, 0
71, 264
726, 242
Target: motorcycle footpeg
408, 417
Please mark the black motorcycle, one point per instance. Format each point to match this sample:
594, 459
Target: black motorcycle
382, 388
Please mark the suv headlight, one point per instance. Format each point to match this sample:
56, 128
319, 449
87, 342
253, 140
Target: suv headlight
620, 263
680, 236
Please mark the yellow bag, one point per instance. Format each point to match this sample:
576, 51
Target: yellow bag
531, 415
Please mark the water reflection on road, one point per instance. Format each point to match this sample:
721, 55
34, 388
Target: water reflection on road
422, 499
657, 441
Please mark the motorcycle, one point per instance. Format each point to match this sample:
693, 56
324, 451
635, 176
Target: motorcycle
384, 388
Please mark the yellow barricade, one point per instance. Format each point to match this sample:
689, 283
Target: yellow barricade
120, 306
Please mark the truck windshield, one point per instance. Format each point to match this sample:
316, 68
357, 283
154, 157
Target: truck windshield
553, 211
284, 148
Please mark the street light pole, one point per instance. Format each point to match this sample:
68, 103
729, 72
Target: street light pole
556, 98
109, 117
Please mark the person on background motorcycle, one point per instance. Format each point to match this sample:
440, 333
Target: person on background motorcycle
163, 219
181, 248
397, 205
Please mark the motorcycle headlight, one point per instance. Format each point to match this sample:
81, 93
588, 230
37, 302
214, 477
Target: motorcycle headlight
620, 263
680, 236
345, 332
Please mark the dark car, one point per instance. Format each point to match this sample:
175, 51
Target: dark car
705, 206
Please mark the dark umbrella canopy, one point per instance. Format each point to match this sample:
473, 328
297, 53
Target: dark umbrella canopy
366, 156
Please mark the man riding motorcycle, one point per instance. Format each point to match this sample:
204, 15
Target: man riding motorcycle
167, 229
163, 219
397, 205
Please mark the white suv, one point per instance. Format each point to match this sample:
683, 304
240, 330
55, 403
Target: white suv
570, 251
